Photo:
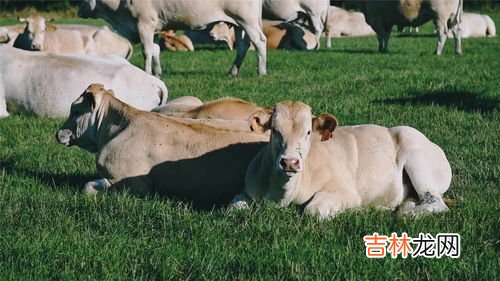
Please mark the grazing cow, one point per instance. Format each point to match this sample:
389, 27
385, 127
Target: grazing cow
446, 14
173, 42
225, 108
476, 25
311, 162
280, 35
341, 22
138, 20
314, 11
45, 84
40, 36
176, 157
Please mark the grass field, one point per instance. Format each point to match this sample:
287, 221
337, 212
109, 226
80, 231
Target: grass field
49, 230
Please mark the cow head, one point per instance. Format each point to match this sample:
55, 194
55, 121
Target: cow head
80, 129
35, 30
292, 129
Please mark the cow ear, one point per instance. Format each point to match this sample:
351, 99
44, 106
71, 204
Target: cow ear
324, 124
50, 27
22, 19
260, 121
111, 92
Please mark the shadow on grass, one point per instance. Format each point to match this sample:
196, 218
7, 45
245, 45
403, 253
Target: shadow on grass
355, 51
60, 181
461, 100
413, 35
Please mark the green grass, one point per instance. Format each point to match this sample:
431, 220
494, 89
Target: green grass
50, 230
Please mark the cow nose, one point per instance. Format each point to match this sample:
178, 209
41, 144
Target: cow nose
36, 47
212, 34
290, 164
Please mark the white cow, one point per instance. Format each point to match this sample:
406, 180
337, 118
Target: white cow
476, 25
46, 83
347, 23
106, 41
40, 36
311, 162
315, 12
446, 15
138, 21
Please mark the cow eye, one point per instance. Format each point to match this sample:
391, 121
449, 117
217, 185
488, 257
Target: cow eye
309, 132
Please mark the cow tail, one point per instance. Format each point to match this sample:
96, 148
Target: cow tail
460, 11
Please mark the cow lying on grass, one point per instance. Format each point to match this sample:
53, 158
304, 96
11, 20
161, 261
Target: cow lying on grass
146, 153
310, 161
224, 108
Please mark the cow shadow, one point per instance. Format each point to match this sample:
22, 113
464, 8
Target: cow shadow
63, 181
461, 100
353, 51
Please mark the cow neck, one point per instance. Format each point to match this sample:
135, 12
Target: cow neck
112, 117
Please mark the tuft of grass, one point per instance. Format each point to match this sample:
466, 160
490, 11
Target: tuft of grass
50, 230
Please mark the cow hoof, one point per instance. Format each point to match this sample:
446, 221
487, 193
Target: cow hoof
4, 114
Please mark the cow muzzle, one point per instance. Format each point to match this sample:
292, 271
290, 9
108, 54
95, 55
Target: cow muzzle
36, 47
64, 136
290, 164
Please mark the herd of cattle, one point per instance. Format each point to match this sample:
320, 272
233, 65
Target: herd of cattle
228, 150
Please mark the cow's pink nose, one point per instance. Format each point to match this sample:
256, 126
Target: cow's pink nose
290, 164
36, 47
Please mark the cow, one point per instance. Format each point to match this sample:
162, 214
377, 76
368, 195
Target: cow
40, 36
106, 41
44, 84
181, 104
226, 108
138, 21
341, 22
314, 11
446, 15
174, 42
279, 35
174, 157
476, 25
312, 162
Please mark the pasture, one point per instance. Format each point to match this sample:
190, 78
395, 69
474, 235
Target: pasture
50, 230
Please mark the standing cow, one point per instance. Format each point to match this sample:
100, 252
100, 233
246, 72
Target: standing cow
446, 15
138, 21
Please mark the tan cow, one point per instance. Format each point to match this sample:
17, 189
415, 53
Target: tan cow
310, 161
175, 157
225, 108
341, 22
173, 42
107, 42
280, 35
40, 36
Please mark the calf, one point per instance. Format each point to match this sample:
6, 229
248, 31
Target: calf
181, 158
172, 42
310, 161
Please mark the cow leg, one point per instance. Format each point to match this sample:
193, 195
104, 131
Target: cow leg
256, 36
386, 37
442, 30
328, 39
146, 34
3, 103
93, 187
430, 176
318, 27
328, 204
457, 34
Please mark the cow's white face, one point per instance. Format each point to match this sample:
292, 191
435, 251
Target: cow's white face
223, 32
292, 129
80, 128
35, 30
